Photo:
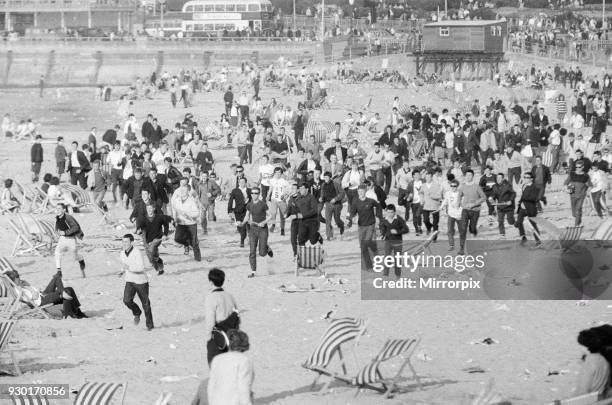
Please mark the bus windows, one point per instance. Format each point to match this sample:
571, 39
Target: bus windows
189, 27
241, 7
189, 9
198, 8
257, 25
209, 27
230, 7
220, 7
253, 7
198, 27
208, 8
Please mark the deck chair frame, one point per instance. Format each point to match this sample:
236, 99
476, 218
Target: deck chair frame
591, 398
41, 203
83, 397
326, 349
304, 253
17, 313
389, 385
563, 239
164, 398
6, 331
9, 297
23, 243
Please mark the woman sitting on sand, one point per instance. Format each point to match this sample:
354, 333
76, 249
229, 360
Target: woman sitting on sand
594, 375
8, 201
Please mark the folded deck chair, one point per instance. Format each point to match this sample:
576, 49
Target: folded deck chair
36, 400
562, 239
27, 195
309, 257
6, 330
164, 398
370, 375
8, 298
28, 240
591, 398
96, 393
340, 331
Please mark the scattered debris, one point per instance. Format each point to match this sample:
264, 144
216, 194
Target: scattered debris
172, 346
424, 357
485, 341
502, 307
474, 370
176, 378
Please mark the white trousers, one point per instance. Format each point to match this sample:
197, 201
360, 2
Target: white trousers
65, 244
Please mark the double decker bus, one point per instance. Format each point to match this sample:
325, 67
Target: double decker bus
209, 17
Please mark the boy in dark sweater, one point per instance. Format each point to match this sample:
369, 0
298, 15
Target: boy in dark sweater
392, 228
155, 227
36, 155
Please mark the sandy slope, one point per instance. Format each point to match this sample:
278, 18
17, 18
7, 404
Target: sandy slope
534, 337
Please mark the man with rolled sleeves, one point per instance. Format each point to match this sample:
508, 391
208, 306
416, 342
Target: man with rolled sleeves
367, 209
257, 216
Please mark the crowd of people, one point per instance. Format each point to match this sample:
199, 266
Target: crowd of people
391, 174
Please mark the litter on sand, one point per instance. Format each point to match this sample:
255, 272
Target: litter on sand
177, 378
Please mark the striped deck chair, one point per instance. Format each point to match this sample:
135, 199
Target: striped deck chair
585, 399
81, 197
8, 298
309, 257
30, 401
603, 231
27, 195
6, 330
96, 393
370, 375
14, 294
164, 398
562, 239
340, 331
29, 235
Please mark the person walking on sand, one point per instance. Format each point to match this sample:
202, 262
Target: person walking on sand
136, 281
69, 230
258, 217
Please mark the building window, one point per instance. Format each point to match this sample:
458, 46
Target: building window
444, 31
493, 31
230, 7
241, 7
253, 7
499, 31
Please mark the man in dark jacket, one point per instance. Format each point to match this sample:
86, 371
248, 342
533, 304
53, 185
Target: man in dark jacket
307, 206
541, 177
110, 136
160, 187
337, 149
528, 207
36, 154
236, 207
69, 231
228, 99
503, 195
78, 165
331, 197
147, 128
155, 227
156, 134
134, 185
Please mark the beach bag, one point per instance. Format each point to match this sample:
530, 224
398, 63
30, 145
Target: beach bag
527, 151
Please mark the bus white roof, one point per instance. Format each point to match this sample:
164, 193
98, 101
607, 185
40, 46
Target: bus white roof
194, 2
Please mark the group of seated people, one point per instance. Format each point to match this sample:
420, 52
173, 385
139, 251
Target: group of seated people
54, 294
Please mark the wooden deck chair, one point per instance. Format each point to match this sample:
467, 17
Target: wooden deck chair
37, 400
81, 197
18, 313
562, 239
603, 231
370, 375
26, 242
106, 217
340, 331
8, 298
591, 398
96, 393
6, 330
27, 195
425, 246
309, 257
41, 203
164, 398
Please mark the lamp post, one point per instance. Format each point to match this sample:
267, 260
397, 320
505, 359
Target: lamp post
294, 16
322, 20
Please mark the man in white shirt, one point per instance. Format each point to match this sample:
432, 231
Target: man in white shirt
373, 123
136, 281
279, 189
350, 182
576, 121
243, 103
387, 167
266, 171
453, 209
115, 160
554, 142
186, 213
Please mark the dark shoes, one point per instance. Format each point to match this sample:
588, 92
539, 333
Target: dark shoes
82, 266
282, 232
270, 252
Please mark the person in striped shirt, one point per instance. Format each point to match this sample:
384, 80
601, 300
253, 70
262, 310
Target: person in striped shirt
279, 190
561, 105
